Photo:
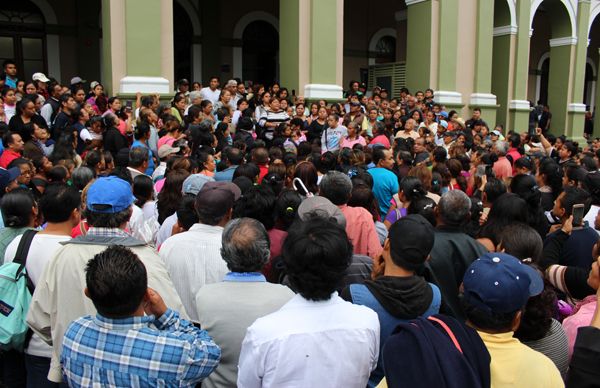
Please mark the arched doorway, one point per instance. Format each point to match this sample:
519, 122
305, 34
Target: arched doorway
23, 38
543, 71
385, 50
183, 33
260, 46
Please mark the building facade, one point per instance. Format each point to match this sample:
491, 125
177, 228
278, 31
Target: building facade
498, 55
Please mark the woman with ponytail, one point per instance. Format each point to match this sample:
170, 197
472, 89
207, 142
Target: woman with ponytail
411, 189
526, 188
549, 181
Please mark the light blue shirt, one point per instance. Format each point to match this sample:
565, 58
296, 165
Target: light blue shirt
385, 186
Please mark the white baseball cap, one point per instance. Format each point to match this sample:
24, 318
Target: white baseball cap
40, 77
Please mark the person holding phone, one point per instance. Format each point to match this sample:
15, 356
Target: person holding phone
577, 249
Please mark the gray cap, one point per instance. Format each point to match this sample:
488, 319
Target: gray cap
321, 207
194, 183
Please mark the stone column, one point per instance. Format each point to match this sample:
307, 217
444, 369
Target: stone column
420, 57
482, 96
502, 70
576, 108
559, 85
311, 36
137, 46
518, 104
597, 103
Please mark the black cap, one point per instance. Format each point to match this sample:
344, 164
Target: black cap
411, 240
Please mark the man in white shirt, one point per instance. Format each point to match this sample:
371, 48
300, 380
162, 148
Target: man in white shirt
60, 207
211, 92
193, 258
316, 339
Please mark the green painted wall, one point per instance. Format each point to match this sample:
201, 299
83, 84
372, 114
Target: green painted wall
448, 45
501, 13
324, 41
520, 118
597, 115
484, 47
289, 46
558, 85
500, 76
142, 40
418, 51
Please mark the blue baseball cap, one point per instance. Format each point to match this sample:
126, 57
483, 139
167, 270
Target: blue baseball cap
109, 195
444, 114
194, 183
498, 282
7, 176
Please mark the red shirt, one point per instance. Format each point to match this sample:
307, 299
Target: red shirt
264, 169
8, 156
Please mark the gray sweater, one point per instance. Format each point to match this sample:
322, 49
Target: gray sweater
226, 310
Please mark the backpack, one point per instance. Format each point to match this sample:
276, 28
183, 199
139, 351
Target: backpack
15, 296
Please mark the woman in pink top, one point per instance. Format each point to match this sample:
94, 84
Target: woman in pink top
380, 135
353, 137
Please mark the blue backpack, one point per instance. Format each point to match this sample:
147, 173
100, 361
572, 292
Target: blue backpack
15, 296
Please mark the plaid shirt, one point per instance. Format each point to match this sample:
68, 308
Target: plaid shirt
107, 232
100, 352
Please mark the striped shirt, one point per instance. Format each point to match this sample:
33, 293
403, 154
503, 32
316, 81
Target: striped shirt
269, 116
137, 352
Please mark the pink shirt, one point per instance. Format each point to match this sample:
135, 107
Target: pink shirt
166, 140
347, 143
381, 139
583, 317
502, 168
360, 229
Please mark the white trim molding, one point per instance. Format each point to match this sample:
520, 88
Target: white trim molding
564, 41
381, 33
483, 99
412, 2
323, 91
134, 84
530, 32
576, 107
448, 97
505, 30
518, 105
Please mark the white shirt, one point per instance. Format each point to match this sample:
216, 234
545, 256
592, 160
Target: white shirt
331, 343
86, 134
166, 229
590, 217
9, 111
42, 249
211, 95
193, 259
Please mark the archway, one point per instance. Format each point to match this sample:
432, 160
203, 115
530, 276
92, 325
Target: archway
260, 46
552, 31
183, 33
592, 90
23, 38
382, 46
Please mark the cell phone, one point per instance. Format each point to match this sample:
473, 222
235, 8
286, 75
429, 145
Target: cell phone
128, 104
578, 215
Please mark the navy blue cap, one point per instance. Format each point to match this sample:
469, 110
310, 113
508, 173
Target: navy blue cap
109, 195
498, 282
7, 176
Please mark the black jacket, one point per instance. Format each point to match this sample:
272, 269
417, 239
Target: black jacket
584, 371
453, 251
114, 141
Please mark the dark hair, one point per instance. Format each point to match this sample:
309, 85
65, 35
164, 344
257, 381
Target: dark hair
116, 281
455, 169
58, 202
326, 162
522, 241
424, 206
141, 130
571, 147
170, 195
16, 208
575, 195
81, 176
274, 181
506, 210
362, 196
92, 158
258, 202
537, 317
286, 208
316, 254
412, 188
57, 174
143, 189
553, 175
307, 173
493, 321
186, 213
493, 189
378, 155
249, 170
107, 220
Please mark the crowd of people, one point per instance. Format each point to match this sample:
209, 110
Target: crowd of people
238, 235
